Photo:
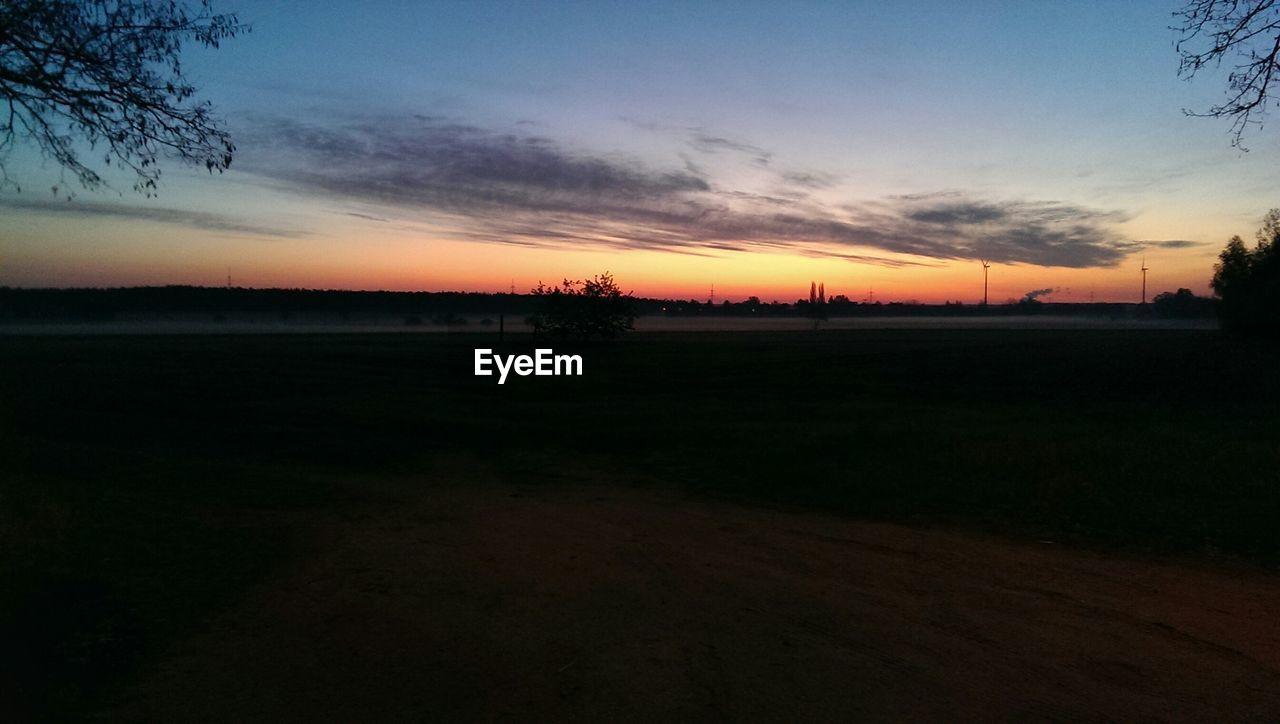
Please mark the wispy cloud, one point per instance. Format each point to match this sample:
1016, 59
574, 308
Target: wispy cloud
366, 217
707, 143
1169, 243
532, 190
201, 220
809, 179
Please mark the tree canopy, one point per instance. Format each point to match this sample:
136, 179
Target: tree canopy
1247, 281
1245, 34
106, 75
596, 307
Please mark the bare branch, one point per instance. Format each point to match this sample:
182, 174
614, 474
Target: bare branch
108, 73
1246, 33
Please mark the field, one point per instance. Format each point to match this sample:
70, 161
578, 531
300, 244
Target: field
983, 523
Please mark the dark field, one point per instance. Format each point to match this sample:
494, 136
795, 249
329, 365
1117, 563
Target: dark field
150, 484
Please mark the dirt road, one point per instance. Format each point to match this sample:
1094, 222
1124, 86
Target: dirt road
606, 602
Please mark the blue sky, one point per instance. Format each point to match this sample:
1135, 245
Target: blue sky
758, 143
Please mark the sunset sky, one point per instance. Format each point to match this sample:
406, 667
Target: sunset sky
753, 146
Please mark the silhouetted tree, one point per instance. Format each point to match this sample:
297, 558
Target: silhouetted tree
1247, 281
1181, 304
817, 307
107, 73
583, 309
1246, 34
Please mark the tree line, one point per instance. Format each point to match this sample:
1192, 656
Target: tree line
88, 304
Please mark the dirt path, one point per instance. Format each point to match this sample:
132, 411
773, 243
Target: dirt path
598, 603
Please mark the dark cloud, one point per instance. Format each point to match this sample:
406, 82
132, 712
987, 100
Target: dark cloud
179, 217
959, 213
531, 190
1047, 233
1034, 293
444, 165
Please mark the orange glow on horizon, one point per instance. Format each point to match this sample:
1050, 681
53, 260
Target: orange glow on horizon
103, 252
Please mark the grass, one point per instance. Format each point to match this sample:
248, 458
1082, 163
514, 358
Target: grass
145, 481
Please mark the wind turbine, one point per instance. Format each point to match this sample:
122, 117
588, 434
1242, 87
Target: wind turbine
1144, 280
985, 267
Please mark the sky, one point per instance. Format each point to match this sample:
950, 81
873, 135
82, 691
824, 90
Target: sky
881, 149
